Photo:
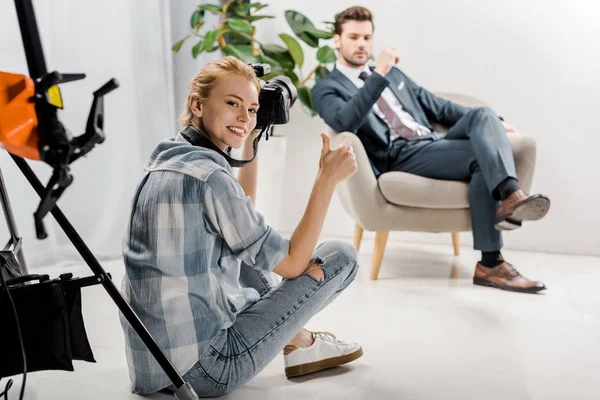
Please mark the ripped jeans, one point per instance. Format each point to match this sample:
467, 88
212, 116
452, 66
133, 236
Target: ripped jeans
238, 354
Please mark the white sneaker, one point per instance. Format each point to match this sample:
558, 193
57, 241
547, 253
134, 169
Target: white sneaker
325, 352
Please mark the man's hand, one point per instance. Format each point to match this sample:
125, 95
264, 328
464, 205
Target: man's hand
509, 127
386, 60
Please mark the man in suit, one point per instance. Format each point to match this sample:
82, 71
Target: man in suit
392, 116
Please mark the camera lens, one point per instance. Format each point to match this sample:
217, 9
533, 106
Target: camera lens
286, 84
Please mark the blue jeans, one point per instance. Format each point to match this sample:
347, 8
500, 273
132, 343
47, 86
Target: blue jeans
238, 354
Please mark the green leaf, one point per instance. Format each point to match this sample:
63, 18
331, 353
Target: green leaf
292, 75
254, 18
299, 24
258, 6
319, 33
268, 76
197, 17
309, 39
321, 72
239, 25
249, 39
298, 20
273, 48
177, 46
279, 54
241, 9
326, 55
199, 25
229, 50
294, 48
198, 48
241, 51
211, 8
275, 66
210, 37
304, 96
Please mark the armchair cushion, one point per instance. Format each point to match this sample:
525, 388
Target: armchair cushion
414, 191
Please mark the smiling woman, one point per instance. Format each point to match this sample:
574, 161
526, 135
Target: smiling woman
199, 258
228, 115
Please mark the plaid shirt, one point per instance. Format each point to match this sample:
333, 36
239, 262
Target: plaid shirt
191, 228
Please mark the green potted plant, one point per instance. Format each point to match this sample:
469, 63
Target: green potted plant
235, 35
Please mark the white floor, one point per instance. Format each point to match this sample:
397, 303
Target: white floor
427, 333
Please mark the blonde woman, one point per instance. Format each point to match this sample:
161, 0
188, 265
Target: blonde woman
198, 257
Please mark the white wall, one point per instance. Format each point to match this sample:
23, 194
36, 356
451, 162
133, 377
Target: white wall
536, 62
113, 38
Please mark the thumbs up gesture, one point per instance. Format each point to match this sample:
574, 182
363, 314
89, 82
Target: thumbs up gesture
339, 163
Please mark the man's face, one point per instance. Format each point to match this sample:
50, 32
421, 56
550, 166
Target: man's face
355, 44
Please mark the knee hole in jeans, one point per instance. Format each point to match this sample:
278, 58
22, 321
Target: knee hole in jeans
315, 271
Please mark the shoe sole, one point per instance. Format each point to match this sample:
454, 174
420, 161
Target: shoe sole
533, 209
485, 282
309, 368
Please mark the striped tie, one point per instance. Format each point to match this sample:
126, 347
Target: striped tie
392, 118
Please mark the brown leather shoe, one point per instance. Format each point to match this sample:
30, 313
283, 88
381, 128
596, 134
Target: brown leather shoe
505, 277
520, 206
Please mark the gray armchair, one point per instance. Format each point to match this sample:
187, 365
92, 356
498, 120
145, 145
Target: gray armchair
399, 201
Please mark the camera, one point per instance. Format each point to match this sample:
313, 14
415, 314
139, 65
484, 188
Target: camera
276, 97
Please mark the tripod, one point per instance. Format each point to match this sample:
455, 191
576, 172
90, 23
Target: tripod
59, 152
14, 245
184, 390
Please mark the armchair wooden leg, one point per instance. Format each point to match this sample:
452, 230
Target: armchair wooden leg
358, 232
456, 242
380, 242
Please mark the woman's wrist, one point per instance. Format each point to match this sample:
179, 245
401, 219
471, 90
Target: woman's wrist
324, 180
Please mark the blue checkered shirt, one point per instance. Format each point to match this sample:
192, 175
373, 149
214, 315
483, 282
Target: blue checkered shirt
191, 228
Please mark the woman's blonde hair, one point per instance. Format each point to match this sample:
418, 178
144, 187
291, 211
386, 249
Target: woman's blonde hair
207, 79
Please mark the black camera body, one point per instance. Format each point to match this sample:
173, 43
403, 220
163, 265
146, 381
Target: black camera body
276, 97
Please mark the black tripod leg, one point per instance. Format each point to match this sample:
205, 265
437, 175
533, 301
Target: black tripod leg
12, 225
184, 391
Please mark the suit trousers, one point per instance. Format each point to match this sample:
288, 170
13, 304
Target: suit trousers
475, 150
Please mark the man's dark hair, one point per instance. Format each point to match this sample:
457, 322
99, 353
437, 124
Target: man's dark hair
356, 13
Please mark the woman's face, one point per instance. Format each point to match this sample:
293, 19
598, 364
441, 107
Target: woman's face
229, 114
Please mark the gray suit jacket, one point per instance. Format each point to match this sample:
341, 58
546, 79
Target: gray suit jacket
344, 107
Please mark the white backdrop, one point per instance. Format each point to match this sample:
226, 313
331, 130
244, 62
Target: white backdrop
128, 40
536, 62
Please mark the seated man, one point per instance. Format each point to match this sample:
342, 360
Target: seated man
391, 115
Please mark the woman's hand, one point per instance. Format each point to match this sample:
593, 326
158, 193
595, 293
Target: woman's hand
251, 137
248, 150
337, 164
248, 175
